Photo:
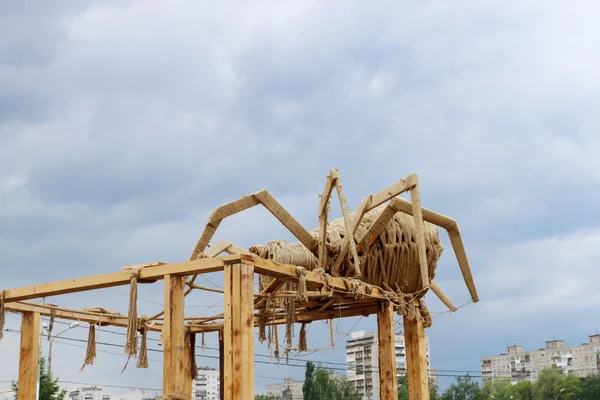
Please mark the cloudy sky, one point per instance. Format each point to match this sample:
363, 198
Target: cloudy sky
123, 124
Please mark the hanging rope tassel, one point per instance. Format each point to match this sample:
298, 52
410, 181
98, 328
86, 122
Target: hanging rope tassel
90, 354
143, 358
302, 345
131, 347
51, 323
276, 339
301, 293
203, 343
289, 321
2, 314
331, 335
190, 342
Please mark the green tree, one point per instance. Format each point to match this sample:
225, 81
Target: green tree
403, 389
590, 388
548, 383
308, 388
463, 389
522, 391
319, 385
570, 388
49, 388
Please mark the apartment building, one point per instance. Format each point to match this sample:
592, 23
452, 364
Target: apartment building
290, 389
519, 365
89, 393
207, 385
362, 362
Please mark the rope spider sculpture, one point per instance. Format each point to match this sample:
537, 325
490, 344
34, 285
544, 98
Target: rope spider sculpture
387, 241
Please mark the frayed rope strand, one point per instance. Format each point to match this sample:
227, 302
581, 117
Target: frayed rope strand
131, 346
302, 344
90, 354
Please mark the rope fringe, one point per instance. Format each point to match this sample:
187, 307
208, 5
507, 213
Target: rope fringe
51, 323
90, 354
190, 342
331, 335
143, 358
131, 346
302, 293
302, 344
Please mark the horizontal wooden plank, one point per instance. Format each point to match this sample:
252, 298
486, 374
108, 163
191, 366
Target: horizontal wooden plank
204, 265
270, 268
73, 315
303, 317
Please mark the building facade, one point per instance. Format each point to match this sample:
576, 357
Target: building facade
362, 362
89, 393
290, 389
520, 365
207, 386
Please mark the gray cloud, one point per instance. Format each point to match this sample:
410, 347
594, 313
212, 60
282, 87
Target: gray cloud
123, 125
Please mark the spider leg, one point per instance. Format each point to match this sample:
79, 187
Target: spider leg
224, 246
347, 222
451, 226
263, 197
367, 205
323, 214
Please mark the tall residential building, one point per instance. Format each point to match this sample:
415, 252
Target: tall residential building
519, 365
89, 393
290, 389
362, 362
207, 385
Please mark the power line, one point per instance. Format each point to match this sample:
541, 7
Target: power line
216, 357
477, 374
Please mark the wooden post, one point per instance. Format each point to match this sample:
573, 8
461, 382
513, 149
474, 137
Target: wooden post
416, 355
238, 335
221, 366
174, 338
187, 371
388, 386
29, 356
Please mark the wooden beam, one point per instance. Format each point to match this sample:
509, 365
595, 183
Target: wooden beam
308, 316
221, 366
270, 268
416, 356
29, 356
451, 226
442, 296
74, 315
388, 387
227, 333
174, 336
204, 265
238, 335
187, 373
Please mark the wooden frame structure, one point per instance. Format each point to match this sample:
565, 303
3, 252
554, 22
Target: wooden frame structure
318, 296
329, 298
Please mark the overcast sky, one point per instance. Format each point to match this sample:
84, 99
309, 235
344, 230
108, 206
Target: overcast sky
123, 124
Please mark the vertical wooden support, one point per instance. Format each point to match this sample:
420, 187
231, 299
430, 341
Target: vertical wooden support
388, 386
174, 374
29, 355
221, 366
187, 372
238, 335
416, 355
